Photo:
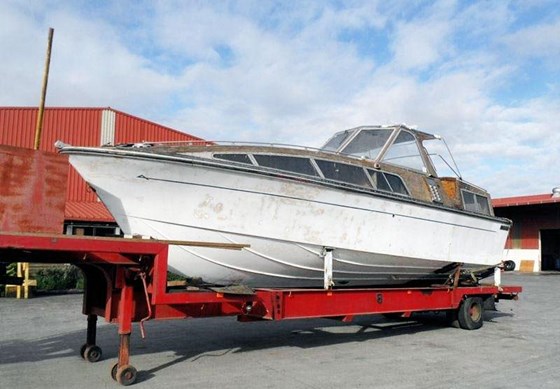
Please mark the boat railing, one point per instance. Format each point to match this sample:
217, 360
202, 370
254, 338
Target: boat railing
226, 143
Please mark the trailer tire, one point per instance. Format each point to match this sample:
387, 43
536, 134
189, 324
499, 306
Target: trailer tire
470, 313
83, 350
93, 353
114, 370
126, 375
509, 265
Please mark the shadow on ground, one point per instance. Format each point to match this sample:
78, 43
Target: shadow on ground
216, 337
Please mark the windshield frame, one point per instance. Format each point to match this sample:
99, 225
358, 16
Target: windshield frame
419, 136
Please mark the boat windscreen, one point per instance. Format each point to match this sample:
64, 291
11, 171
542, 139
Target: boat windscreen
441, 158
405, 152
368, 143
336, 141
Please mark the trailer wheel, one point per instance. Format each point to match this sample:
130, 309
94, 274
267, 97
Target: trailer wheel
470, 313
92, 353
83, 350
126, 375
114, 371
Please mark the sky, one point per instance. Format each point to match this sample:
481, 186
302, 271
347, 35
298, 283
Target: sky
482, 74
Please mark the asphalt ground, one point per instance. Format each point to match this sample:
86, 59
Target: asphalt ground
518, 347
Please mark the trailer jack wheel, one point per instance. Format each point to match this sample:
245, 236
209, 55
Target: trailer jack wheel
124, 375
83, 350
114, 371
91, 353
470, 313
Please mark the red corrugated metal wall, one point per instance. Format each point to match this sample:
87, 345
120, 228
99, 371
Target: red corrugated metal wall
17, 127
78, 127
527, 223
129, 129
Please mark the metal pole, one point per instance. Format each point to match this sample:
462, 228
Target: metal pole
19, 274
39, 127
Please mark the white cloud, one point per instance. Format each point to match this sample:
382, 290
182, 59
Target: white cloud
425, 38
538, 41
420, 44
271, 71
22, 54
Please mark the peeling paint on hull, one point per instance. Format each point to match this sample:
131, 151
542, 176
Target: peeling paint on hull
376, 240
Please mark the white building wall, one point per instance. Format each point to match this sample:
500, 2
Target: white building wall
518, 255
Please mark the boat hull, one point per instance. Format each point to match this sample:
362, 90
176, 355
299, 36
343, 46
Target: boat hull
375, 239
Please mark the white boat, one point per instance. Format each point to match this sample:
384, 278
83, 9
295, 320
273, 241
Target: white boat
366, 209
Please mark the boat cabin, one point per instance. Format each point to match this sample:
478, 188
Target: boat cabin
389, 160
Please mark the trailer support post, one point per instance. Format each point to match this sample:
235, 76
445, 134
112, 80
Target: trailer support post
328, 270
497, 276
91, 334
122, 371
124, 349
90, 351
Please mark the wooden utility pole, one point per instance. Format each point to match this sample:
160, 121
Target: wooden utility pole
23, 267
39, 126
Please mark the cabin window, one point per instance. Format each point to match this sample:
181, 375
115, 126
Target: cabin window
397, 184
388, 182
344, 173
368, 143
290, 164
241, 158
404, 152
475, 202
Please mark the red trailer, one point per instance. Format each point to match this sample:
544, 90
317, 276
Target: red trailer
126, 282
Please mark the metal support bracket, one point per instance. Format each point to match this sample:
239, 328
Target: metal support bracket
327, 255
497, 276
